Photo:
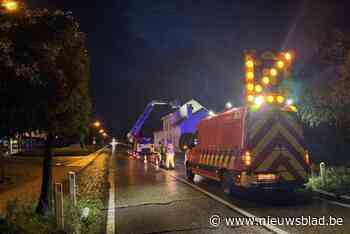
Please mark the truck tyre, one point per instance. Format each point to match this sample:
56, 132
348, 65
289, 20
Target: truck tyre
189, 173
227, 182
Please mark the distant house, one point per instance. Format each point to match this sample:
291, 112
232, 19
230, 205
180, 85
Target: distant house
180, 122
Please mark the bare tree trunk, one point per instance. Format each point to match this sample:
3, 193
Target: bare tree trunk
44, 201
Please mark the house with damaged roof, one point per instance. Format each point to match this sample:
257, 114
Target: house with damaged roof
179, 127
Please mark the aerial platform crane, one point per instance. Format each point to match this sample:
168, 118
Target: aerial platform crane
135, 130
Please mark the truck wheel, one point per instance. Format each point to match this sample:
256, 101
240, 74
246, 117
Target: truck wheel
189, 173
227, 182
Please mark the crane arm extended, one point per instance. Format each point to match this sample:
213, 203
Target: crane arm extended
143, 117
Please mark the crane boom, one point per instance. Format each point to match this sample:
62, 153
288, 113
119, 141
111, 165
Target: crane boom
142, 118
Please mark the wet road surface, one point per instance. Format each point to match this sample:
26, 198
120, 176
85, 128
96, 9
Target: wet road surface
265, 204
149, 200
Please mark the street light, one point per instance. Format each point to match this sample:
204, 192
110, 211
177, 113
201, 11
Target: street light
97, 124
211, 113
10, 5
228, 105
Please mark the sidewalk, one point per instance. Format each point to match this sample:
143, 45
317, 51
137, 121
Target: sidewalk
25, 179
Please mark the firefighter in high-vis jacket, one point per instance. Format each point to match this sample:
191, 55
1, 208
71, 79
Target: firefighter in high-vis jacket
161, 154
170, 156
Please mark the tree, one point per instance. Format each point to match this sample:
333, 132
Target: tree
326, 100
45, 72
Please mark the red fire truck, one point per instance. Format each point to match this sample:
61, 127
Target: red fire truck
251, 148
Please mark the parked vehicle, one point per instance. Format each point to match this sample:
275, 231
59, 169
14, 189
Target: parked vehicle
251, 149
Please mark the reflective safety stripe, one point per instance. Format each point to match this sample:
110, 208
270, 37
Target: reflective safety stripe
216, 161
201, 159
221, 160
227, 161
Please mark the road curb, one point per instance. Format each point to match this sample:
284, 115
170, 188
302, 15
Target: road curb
110, 224
332, 196
97, 152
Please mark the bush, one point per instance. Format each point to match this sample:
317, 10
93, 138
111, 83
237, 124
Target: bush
94, 222
74, 222
336, 182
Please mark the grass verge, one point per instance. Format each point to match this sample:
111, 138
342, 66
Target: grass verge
336, 182
84, 218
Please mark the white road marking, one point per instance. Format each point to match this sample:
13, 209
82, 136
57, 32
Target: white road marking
110, 229
333, 202
222, 201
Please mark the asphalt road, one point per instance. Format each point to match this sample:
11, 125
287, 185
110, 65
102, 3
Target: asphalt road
152, 201
264, 204
149, 200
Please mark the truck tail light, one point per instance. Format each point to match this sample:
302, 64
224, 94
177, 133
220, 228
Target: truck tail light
247, 158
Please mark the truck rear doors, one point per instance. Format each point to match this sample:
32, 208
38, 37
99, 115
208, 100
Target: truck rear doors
275, 140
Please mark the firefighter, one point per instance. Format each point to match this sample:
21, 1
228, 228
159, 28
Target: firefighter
114, 144
170, 156
161, 154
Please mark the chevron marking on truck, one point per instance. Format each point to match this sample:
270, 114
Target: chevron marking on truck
291, 121
258, 124
271, 145
274, 155
265, 145
287, 164
276, 130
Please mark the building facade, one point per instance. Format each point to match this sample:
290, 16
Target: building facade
180, 122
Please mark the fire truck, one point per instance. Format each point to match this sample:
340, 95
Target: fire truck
256, 146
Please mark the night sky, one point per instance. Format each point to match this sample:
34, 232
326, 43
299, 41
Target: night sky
160, 49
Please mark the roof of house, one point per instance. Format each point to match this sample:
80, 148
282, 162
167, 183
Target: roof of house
179, 121
196, 106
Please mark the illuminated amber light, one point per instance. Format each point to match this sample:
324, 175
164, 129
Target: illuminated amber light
97, 124
280, 99
266, 80
10, 5
249, 63
280, 64
250, 87
270, 99
307, 158
273, 72
288, 56
250, 98
266, 177
247, 159
250, 75
258, 88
